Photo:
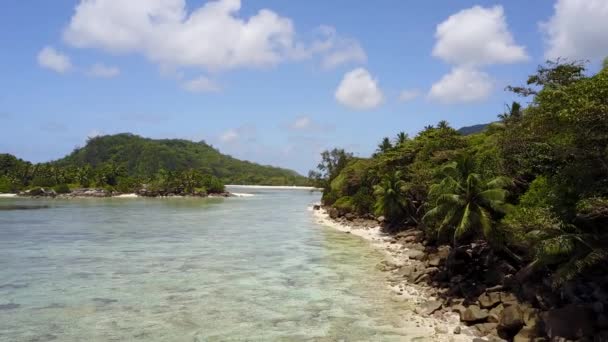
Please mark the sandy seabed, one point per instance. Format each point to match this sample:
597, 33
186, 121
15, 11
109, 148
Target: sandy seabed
441, 325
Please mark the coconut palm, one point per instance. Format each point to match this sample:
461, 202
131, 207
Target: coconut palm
385, 145
443, 125
401, 138
391, 198
464, 202
575, 248
514, 112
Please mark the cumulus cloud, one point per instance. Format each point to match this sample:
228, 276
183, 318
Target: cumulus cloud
408, 95
213, 36
305, 123
462, 85
103, 71
358, 90
54, 60
577, 29
477, 36
201, 84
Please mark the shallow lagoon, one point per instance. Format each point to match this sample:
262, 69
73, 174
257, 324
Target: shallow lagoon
238, 269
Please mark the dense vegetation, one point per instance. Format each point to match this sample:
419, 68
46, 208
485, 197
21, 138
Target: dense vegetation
126, 162
533, 185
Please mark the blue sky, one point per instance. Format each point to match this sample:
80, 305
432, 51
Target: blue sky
272, 81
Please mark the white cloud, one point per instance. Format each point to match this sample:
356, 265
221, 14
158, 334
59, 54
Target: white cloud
229, 136
239, 137
213, 36
462, 85
302, 122
577, 29
408, 95
103, 71
477, 36
52, 59
358, 90
307, 124
336, 50
201, 84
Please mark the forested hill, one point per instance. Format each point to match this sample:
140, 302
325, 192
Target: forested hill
467, 130
144, 157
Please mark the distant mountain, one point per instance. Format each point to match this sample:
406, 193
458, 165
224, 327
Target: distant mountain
145, 157
468, 130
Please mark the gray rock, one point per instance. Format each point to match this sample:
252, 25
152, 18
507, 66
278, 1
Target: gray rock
474, 314
405, 271
428, 307
571, 322
511, 319
458, 308
486, 328
434, 260
424, 277
495, 312
508, 298
386, 266
457, 330
489, 300
525, 335
415, 254
441, 330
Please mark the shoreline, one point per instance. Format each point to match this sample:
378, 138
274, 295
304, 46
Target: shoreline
121, 196
439, 324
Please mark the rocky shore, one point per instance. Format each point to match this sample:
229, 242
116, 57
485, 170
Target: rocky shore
103, 193
470, 294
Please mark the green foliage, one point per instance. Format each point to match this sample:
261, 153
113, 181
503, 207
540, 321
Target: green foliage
131, 155
7, 185
345, 204
464, 204
62, 188
391, 197
332, 163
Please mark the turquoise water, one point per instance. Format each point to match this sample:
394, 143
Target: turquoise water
238, 269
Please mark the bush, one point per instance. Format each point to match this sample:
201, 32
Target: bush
62, 189
127, 185
363, 201
329, 197
345, 204
6, 185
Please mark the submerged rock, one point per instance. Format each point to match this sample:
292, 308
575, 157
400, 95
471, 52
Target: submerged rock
429, 307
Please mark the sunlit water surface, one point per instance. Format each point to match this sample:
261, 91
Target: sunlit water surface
239, 269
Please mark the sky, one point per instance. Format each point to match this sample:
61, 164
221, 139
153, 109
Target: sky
275, 82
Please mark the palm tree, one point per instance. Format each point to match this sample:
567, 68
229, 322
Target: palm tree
401, 138
575, 248
513, 112
464, 202
385, 145
391, 198
443, 125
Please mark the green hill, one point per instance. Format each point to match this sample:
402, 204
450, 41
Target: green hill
144, 157
468, 130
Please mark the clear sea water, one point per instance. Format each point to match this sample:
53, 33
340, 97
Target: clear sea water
238, 269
